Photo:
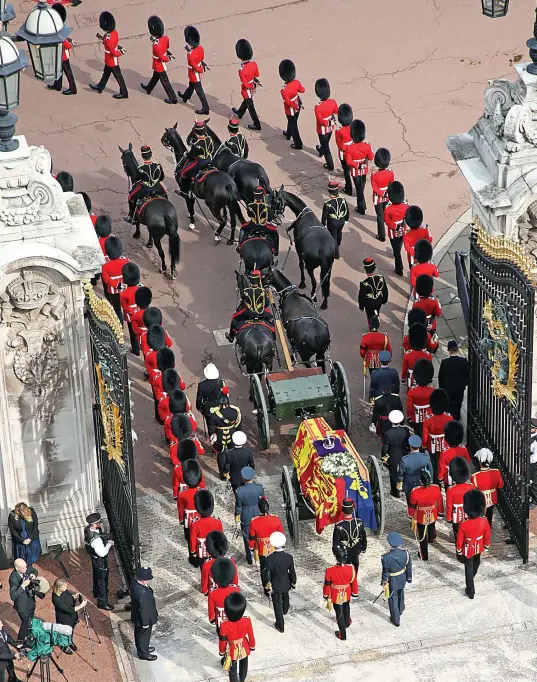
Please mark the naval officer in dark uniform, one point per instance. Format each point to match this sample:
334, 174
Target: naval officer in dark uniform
396, 573
279, 577
246, 506
97, 545
143, 613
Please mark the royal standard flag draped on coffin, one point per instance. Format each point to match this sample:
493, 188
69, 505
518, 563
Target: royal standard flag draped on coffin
324, 493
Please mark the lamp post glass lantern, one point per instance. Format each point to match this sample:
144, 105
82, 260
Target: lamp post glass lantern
12, 62
495, 8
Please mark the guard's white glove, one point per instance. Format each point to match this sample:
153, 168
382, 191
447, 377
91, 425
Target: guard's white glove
213, 438
372, 428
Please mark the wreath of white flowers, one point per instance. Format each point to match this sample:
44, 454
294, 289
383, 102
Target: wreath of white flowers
339, 464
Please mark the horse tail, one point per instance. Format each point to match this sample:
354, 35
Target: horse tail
233, 201
326, 273
174, 241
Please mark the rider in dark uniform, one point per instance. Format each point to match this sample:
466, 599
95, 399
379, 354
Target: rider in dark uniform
199, 156
237, 143
98, 545
148, 182
335, 213
259, 225
253, 307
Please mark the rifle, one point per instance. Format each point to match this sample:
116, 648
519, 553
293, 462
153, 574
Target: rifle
258, 83
169, 54
101, 37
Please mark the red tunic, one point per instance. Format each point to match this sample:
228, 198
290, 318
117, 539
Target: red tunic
371, 345
473, 537
178, 483
198, 535
194, 60
111, 52
112, 274
379, 183
261, 528
164, 405
215, 604
168, 425
412, 237
102, 242
343, 140
185, 505
207, 582
445, 458
174, 445
432, 309
488, 481
409, 360
126, 300
145, 346
454, 501
425, 504
151, 364
290, 97
325, 113
93, 218
137, 322
431, 344
66, 54
357, 156
340, 583
160, 54
422, 269
433, 432
247, 73
156, 385
237, 639
394, 217
418, 406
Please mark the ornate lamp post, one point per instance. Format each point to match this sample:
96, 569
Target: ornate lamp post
494, 8
532, 45
12, 62
7, 14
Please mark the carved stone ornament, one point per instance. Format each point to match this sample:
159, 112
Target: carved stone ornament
31, 306
520, 128
527, 229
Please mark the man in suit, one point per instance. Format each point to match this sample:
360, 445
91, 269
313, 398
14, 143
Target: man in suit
453, 377
7, 656
279, 577
395, 447
411, 466
396, 573
23, 596
143, 613
236, 458
246, 506
384, 377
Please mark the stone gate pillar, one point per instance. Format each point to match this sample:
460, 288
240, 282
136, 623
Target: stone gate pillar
47, 445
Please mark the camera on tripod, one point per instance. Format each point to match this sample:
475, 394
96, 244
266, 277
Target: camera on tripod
34, 588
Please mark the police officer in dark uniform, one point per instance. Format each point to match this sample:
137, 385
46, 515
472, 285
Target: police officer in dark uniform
98, 545
385, 377
246, 506
259, 225
373, 293
396, 573
199, 156
237, 143
350, 534
335, 213
148, 182
210, 390
143, 613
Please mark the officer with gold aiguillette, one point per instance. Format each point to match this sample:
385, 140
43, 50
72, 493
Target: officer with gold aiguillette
259, 225
98, 545
396, 573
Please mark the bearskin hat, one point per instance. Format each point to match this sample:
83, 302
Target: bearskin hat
223, 572
152, 316
474, 504
204, 503
439, 401
340, 554
453, 433
234, 606
414, 217
181, 426
66, 181
423, 251
459, 470
178, 401
287, 70
58, 7
155, 26
113, 247
382, 158
424, 285
107, 22
243, 50
192, 473
156, 337
423, 371
85, 196
103, 226
344, 114
358, 130
192, 36
417, 316
396, 192
417, 336
131, 274
165, 359
186, 450
322, 88
216, 544
143, 297
170, 380
263, 505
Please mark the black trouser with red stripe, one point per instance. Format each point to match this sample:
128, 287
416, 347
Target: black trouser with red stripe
248, 103
161, 76
198, 87
426, 534
397, 243
359, 184
292, 129
324, 150
107, 71
379, 210
343, 618
347, 176
66, 69
471, 566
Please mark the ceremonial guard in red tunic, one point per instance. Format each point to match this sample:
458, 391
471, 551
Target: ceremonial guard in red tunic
112, 273
236, 638
424, 506
112, 53
415, 232
236, 142
357, 158
66, 58
186, 509
181, 429
372, 343
418, 316
204, 503
103, 230
261, 528
349, 534
423, 253
178, 403
142, 298
380, 181
150, 317
325, 118
373, 292
340, 584
196, 69
489, 480
161, 57
292, 104
186, 451
433, 427
453, 436
170, 384
343, 141
459, 473
222, 572
217, 547
147, 183
249, 77
131, 280
394, 217
419, 398
335, 214
473, 537
429, 304
417, 336
165, 360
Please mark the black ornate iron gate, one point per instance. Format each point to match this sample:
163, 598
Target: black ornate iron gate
500, 329
113, 434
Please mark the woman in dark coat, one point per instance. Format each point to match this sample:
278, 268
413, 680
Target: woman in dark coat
24, 528
66, 607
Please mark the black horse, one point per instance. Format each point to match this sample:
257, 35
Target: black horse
256, 253
159, 216
256, 341
306, 330
315, 246
217, 189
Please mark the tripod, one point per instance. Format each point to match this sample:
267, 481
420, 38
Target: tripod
89, 628
44, 668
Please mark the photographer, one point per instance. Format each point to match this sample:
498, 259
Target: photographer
23, 589
66, 607
7, 657
98, 544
